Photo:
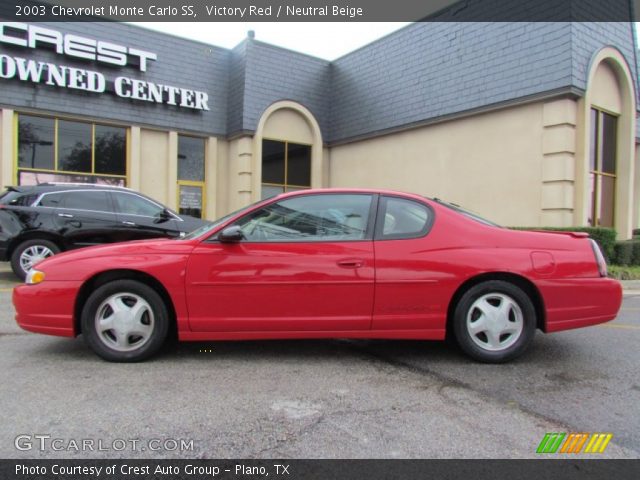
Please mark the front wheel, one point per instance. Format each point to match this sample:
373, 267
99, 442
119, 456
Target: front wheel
29, 253
494, 321
125, 321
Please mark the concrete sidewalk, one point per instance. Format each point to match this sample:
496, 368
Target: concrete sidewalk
631, 287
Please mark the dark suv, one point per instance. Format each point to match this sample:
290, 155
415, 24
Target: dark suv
42, 220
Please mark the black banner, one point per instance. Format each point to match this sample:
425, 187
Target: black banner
319, 469
320, 10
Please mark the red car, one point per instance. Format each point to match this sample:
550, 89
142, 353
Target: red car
322, 264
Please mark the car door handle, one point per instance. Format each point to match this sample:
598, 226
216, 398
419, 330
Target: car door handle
129, 223
65, 215
351, 263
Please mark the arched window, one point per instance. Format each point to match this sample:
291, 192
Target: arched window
602, 168
286, 166
288, 151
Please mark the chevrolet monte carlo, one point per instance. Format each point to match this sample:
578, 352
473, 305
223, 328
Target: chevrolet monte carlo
326, 264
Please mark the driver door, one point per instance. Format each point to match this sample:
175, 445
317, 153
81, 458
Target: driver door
305, 264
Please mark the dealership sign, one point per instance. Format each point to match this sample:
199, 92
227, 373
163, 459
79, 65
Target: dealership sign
75, 46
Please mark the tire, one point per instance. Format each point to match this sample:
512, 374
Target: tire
125, 321
494, 322
28, 253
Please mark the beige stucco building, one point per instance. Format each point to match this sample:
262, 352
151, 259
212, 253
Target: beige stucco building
526, 124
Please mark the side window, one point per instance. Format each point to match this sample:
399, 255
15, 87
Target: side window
400, 218
91, 201
129, 204
23, 200
309, 218
52, 200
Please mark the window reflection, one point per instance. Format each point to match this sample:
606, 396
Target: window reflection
36, 142
51, 149
286, 167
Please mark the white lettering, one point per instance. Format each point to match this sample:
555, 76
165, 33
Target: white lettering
96, 82
155, 92
142, 57
139, 90
80, 47
74, 45
187, 98
123, 87
7, 67
172, 94
202, 101
22, 442
4, 38
57, 76
76, 79
92, 81
45, 35
29, 70
112, 53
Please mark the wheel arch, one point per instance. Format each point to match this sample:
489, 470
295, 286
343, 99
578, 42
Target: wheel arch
107, 276
520, 281
35, 235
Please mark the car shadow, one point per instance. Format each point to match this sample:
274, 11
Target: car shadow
400, 353
323, 349
272, 350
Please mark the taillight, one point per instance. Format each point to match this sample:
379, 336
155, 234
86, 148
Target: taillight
602, 263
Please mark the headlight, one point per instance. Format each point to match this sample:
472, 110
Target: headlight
34, 277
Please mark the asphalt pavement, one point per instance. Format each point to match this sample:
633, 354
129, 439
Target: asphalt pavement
317, 399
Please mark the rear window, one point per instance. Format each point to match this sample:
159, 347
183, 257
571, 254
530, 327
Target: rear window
19, 199
51, 200
401, 218
96, 201
467, 213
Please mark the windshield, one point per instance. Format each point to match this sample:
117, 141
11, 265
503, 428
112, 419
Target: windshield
209, 227
467, 213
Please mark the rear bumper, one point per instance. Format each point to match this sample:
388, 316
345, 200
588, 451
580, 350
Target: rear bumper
580, 302
46, 308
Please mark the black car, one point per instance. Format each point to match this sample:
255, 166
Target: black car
42, 220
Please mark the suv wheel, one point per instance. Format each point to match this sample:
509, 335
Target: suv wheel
29, 253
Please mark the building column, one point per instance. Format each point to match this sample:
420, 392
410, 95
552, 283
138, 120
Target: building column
172, 171
134, 158
636, 194
7, 147
211, 179
241, 158
558, 162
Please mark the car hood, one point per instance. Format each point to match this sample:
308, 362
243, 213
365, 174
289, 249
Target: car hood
117, 255
188, 223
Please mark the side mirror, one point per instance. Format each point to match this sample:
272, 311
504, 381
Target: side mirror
163, 216
231, 234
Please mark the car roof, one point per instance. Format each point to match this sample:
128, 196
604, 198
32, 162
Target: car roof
370, 191
56, 187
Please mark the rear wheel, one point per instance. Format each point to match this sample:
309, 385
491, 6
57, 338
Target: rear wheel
29, 253
494, 321
125, 321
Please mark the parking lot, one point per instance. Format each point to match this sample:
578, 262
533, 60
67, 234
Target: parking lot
317, 399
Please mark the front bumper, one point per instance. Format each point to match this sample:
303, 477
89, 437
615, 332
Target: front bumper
580, 302
47, 307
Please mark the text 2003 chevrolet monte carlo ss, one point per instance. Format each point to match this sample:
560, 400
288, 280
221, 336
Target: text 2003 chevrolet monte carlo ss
321, 264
